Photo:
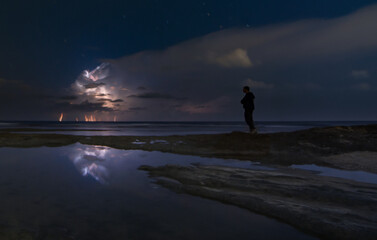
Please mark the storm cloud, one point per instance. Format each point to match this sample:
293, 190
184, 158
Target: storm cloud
85, 106
155, 95
93, 85
299, 70
312, 69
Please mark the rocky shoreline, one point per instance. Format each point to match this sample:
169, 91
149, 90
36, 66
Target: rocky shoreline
350, 148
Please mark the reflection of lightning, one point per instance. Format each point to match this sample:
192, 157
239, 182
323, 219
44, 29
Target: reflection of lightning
61, 117
92, 161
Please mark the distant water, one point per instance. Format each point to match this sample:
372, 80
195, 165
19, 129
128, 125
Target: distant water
172, 128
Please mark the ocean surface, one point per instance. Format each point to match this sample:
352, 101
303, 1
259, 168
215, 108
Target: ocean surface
171, 128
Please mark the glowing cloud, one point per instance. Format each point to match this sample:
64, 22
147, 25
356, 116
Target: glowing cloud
257, 84
236, 58
98, 89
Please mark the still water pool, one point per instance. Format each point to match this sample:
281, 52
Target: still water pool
94, 192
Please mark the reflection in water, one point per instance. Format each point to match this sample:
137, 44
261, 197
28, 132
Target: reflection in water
44, 197
108, 164
92, 161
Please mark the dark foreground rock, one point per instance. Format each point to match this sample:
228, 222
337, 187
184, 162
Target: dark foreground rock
331, 208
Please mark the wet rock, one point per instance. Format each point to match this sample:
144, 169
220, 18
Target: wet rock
331, 208
364, 161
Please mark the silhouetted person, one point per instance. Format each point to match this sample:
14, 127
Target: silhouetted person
248, 104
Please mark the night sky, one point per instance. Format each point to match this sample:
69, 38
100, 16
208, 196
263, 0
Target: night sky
188, 60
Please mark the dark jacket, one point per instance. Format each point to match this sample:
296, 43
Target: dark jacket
248, 101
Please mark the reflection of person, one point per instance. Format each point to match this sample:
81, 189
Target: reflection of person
248, 104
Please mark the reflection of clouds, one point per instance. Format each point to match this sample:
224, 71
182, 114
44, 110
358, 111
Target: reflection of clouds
93, 161
102, 163
97, 171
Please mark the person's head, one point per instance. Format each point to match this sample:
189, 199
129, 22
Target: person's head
246, 89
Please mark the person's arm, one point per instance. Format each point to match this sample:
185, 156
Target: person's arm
243, 101
248, 98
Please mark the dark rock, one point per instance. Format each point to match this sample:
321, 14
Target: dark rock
331, 208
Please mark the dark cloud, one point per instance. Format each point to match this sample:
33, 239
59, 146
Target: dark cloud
104, 100
293, 69
110, 100
85, 106
19, 100
7, 84
71, 97
137, 109
155, 95
93, 85
360, 74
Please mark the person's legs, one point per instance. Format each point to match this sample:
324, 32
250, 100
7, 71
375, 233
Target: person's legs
249, 120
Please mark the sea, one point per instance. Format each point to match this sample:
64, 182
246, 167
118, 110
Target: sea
169, 128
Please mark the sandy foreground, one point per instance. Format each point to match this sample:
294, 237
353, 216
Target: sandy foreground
328, 207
